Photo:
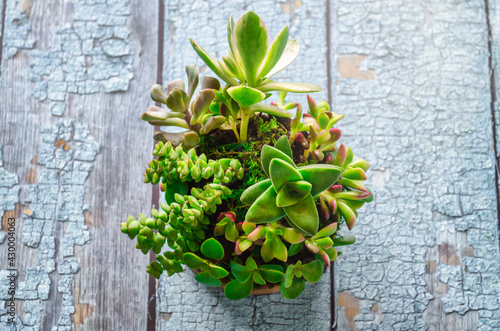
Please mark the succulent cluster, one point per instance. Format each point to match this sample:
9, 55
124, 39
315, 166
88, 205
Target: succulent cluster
268, 210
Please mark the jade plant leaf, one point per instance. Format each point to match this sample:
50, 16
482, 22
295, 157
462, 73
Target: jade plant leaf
303, 216
218, 272
312, 271
321, 176
245, 96
287, 57
257, 278
192, 260
240, 272
250, 264
279, 249
207, 279
236, 290
272, 273
292, 192
212, 249
251, 39
294, 290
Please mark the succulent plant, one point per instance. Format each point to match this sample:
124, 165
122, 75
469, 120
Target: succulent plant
246, 212
289, 191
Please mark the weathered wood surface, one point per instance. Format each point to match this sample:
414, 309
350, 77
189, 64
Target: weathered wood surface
412, 78
79, 174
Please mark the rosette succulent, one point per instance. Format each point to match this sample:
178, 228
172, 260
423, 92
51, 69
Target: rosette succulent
253, 201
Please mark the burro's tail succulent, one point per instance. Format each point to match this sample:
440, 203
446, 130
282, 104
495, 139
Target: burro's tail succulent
289, 191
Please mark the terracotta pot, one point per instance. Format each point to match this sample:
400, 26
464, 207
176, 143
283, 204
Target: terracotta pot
257, 289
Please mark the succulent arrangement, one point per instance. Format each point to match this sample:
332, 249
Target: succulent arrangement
253, 199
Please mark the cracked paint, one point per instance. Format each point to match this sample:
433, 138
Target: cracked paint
427, 248
90, 54
57, 197
9, 192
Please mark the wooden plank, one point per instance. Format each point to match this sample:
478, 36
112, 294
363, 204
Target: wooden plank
413, 82
182, 302
83, 50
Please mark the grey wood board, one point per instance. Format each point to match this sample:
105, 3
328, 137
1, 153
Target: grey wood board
107, 287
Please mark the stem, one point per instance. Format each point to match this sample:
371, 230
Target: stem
245, 118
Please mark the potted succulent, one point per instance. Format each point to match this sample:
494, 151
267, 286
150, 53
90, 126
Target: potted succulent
254, 199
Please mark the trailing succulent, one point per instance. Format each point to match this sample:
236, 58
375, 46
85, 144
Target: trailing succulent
252, 198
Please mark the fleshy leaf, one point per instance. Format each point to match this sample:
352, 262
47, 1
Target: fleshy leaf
292, 192
193, 79
282, 172
236, 290
295, 248
271, 110
192, 260
212, 123
321, 176
303, 216
175, 138
266, 250
348, 239
292, 235
253, 192
283, 144
272, 275
218, 272
212, 63
240, 272
250, 264
264, 209
250, 35
287, 57
245, 96
257, 278
177, 100
200, 105
289, 87
174, 187
312, 271
327, 231
289, 274
295, 289
212, 249
274, 53
269, 153
207, 279
279, 249
347, 212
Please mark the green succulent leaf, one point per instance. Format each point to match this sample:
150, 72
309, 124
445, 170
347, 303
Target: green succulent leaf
312, 271
177, 100
257, 278
212, 249
271, 273
175, 187
271, 110
348, 239
269, 153
266, 250
289, 87
303, 216
240, 272
212, 123
245, 96
292, 236
321, 176
250, 35
253, 192
207, 279
212, 63
218, 272
201, 104
250, 264
282, 172
192, 260
294, 290
236, 290
279, 249
264, 209
283, 144
287, 57
289, 274
292, 192
295, 248
193, 79
274, 53
326, 231
175, 138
